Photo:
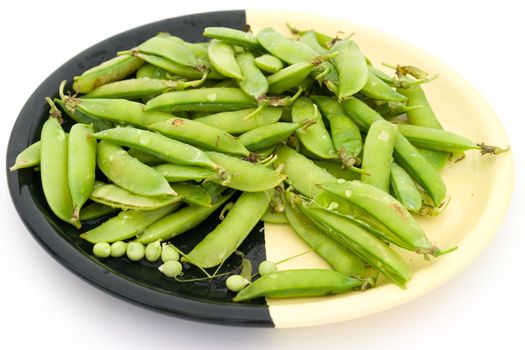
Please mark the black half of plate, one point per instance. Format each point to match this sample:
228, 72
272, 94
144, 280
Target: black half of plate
140, 283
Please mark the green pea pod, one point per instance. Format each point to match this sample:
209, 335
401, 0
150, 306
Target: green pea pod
377, 154
351, 67
82, 159
153, 72
338, 170
130, 174
269, 63
298, 284
379, 90
96, 210
326, 41
222, 58
159, 145
179, 222
193, 194
233, 37
381, 75
362, 243
267, 135
315, 138
309, 38
345, 133
28, 158
53, 170
170, 48
126, 224
245, 176
206, 99
219, 244
404, 188
288, 50
199, 134
180, 173
117, 197
302, 173
253, 81
289, 77
81, 117
114, 69
337, 256
386, 209
272, 217
235, 122
145, 157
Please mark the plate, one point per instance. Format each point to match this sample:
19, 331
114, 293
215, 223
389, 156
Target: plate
480, 188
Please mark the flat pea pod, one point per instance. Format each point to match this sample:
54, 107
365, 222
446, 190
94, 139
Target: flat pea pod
326, 41
338, 170
219, 244
126, 224
404, 189
159, 145
82, 161
235, 122
130, 174
379, 90
206, 99
362, 243
289, 77
233, 37
345, 133
253, 81
145, 157
193, 194
139, 88
114, 196
337, 256
386, 209
96, 210
302, 173
309, 38
114, 69
53, 170
381, 75
267, 135
222, 58
245, 176
170, 48
81, 117
298, 284
28, 158
351, 67
377, 154
181, 173
153, 72
199, 134
272, 217
180, 221
315, 138
285, 49
269, 63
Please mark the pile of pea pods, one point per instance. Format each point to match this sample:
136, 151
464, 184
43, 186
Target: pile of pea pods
304, 128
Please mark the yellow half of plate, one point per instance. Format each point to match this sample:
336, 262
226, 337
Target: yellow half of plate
479, 187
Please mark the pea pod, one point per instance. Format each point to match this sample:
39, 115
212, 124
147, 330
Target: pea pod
309, 38
326, 41
362, 243
180, 173
126, 224
351, 67
159, 145
377, 154
337, 256
302, 173
117, 197
112, 70
377, 89
145, 157
235, 122
153, 72
198, 134
245, 176
170, 48
219, 244
285, 49
193, 194
129, 173
297, 284
272, 217
269, 63
386, 209
81, 117
222, 58
232, 37
289, 77
206, 99
82, 159
253, 82
315, 138
405, 189
338, 170
96, 210
268, 135
28, 158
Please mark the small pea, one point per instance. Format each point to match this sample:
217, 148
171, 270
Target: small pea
102, 249
135, 251
235, 283
118, 249
153, 251
169, 253
171, 268
267, 267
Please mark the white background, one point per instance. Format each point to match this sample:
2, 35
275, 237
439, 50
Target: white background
42, 304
